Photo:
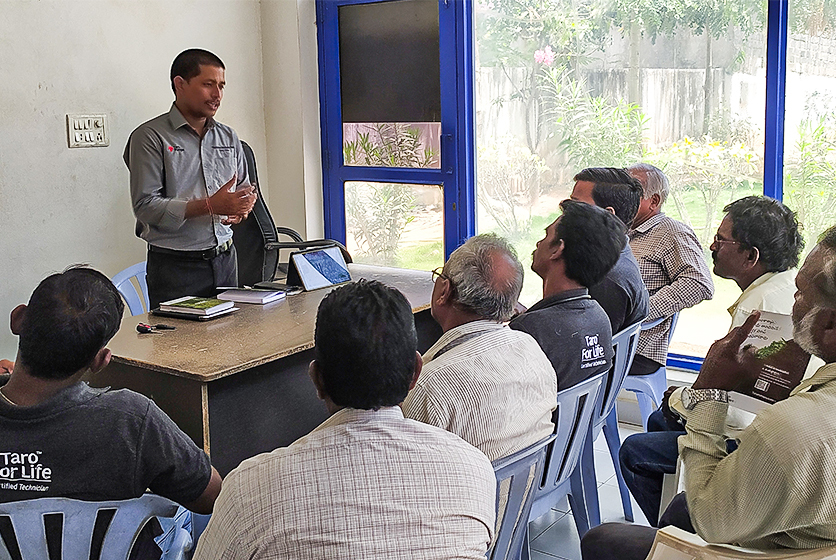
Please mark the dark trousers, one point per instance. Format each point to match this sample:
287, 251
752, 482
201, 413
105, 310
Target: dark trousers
646, 458
625, 541
172, 276
643, 366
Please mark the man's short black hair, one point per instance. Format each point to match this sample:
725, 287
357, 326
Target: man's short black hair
69, 318
187, 64
365, 345
615, 188
592, 241
771, 227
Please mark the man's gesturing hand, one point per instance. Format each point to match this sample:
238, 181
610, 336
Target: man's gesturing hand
233, 203
726, 365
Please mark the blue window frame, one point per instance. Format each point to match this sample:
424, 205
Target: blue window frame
456, 174
458, 136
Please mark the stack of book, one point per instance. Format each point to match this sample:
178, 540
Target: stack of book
190, 307
251, 295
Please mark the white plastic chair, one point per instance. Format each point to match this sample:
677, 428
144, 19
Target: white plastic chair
78, 521
650, 389
133, 297
672, 543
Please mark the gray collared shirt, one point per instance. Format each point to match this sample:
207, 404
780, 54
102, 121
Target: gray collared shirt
170, 165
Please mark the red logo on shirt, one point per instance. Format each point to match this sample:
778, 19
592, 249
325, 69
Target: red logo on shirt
171, 148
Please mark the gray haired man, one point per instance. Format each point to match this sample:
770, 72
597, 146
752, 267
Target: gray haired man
491, 385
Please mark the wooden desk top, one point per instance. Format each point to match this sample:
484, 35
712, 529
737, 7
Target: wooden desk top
255, 335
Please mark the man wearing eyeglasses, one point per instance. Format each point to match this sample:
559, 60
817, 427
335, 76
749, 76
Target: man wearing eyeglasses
757, 245
492, 386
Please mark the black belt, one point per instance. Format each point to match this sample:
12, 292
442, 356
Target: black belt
206, 254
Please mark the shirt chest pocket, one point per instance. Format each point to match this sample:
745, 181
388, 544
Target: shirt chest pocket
222, 166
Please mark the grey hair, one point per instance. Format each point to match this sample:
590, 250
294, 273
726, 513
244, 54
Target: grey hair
653, 182
471, 269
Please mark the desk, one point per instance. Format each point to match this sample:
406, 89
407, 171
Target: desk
238, 385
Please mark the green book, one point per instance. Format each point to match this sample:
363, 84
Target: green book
196, 305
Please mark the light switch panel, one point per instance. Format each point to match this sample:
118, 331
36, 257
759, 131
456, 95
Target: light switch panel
87, 131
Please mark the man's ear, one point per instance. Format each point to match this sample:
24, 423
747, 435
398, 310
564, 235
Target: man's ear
753, 256
610, 209
101, 360
827, 318
419, 364
655, 201
178, 83
445, 291
316, 376
556, 250
16, 318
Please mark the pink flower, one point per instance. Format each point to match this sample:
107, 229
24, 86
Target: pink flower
544, 56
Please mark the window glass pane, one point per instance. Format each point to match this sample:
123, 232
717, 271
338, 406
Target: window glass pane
567, 84
392, 144
390, 83
395, 224
810, 123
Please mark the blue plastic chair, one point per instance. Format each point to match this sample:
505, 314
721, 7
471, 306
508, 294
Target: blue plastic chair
133, 297
561, 476
650, 389
79, 519
605, 420
517, 478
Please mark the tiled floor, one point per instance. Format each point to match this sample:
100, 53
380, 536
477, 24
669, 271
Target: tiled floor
554, 534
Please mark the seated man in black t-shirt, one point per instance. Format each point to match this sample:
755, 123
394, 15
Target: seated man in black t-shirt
580, 247
59, 437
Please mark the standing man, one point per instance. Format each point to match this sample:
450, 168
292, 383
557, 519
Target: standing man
188, 185
672, 265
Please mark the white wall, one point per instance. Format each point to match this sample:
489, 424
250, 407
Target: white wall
60, 206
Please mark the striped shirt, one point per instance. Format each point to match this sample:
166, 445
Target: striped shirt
675, 273
364, 484
491, 385
779, 488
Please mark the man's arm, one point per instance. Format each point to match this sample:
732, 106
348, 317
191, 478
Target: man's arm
690, 279
732, 498
206, 501
420, 405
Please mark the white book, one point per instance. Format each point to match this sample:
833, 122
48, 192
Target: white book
252, 296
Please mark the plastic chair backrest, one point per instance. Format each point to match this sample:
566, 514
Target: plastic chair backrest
123, 283
624, 347
522, 471
78, 521
647, 325
575, 406
672, 543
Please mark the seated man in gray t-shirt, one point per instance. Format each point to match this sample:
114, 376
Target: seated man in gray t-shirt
580, 247
59, 437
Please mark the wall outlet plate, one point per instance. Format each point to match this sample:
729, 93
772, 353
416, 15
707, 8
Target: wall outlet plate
87, 131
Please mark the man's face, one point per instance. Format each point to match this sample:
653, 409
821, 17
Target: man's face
583, 192
541, 255
201, 96
804, 310
728, 256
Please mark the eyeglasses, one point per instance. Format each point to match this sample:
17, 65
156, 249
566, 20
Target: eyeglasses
729, 241
439, 273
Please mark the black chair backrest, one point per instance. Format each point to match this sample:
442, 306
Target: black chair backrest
256, 262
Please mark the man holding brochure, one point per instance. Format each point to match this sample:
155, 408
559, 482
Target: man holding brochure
778, 489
